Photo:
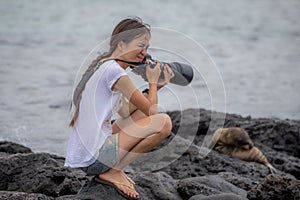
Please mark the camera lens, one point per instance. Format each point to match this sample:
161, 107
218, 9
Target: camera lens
183, 73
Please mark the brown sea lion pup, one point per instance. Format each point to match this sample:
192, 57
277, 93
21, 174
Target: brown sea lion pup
234, 137
236, 142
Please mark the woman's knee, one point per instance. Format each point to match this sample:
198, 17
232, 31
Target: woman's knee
167, 124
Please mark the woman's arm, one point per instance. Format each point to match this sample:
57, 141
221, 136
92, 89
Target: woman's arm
127, 88
147, 105
127, 108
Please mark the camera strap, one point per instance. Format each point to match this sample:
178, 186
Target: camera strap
131, 63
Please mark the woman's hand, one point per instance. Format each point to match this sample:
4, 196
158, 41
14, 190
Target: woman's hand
153, 73
168, 74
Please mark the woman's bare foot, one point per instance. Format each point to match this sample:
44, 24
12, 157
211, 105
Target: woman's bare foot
128, 178
117, 178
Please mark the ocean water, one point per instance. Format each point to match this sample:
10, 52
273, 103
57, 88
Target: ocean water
255, 46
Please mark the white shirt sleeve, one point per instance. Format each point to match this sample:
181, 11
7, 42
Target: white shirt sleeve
114, 72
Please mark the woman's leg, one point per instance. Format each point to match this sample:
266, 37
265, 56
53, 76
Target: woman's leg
123, 122
141, 137
136, 115
134, 139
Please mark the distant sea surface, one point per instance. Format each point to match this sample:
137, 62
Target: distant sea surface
254, 44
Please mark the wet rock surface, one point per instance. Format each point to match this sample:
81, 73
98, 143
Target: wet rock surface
184, 171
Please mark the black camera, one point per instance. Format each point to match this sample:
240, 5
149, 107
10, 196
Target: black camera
183, 73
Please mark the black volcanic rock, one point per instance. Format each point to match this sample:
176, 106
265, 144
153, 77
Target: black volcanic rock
207, 185
9, 195
239, 180
93, 190
13, 195
39, 173
176, 169
262, 131
223, 196
157, 185
12, 148
276, 187
280, 135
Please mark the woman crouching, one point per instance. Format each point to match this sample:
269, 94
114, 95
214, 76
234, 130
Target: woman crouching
104, 149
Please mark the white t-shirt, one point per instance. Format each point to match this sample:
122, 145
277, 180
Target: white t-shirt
97, 105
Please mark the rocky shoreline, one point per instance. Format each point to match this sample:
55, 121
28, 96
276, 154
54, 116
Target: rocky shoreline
28, 175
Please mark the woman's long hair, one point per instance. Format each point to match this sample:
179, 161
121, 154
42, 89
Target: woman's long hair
127, 30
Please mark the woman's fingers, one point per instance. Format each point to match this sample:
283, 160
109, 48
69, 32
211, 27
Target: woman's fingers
153, 73
168, 74
168, 71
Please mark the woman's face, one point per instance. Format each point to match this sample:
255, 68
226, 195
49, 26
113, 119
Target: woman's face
136, 50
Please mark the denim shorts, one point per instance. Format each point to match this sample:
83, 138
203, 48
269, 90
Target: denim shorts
108, 157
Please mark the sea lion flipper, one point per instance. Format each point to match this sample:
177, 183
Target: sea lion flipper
271, 168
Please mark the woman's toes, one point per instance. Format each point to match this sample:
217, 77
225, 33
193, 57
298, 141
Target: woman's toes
136, 195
